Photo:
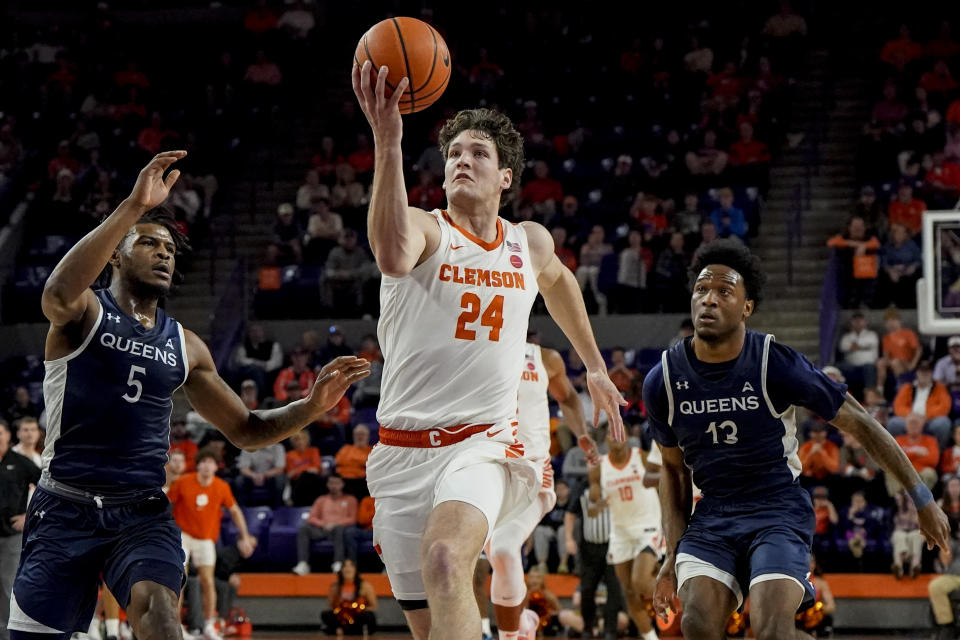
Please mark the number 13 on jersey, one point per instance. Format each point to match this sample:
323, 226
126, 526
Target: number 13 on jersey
492, 317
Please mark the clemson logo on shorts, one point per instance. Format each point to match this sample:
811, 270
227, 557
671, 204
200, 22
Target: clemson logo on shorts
202, 500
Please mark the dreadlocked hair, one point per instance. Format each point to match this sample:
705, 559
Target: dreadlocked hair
164, 217
735, 255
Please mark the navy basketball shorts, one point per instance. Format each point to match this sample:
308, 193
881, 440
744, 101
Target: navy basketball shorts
67, 545
743, 543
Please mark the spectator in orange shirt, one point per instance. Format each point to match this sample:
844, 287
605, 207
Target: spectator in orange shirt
329, 518
365, 513
620, 374
857, 262
427, 194
925, 397
543, 192
564, 253
923, 451
941, 185
938, 80
260, 19
950, 460
304, 469
901, 349
299, 372
750, 158
197, 499
180, 441
820, 457
907, 210
370, 348
902, 51
352, 462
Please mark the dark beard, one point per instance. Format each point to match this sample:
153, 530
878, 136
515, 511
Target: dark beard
145, 291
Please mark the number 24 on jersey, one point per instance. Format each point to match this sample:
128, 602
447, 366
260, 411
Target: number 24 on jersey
492, 317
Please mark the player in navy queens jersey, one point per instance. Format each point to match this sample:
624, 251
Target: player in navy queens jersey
722, 404
113, 360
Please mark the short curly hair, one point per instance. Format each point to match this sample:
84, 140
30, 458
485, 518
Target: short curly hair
733, 254
497, 128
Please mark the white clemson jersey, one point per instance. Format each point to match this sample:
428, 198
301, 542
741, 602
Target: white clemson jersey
533, 407
453, 331
633, 507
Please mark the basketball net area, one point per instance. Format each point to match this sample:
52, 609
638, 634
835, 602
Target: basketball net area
938, 292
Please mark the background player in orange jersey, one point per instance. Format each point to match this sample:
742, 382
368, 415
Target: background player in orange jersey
455, 297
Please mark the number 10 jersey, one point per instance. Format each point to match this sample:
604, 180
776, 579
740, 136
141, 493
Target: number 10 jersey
453, 330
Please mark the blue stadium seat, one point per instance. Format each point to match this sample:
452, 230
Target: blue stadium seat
283, 535
258, 524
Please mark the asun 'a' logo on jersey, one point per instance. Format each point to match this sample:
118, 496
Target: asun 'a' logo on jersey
513, 246
746, 387
682, 384
110, 316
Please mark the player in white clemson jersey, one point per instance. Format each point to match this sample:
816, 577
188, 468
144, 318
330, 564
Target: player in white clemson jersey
621, 483
543, 371
455, 296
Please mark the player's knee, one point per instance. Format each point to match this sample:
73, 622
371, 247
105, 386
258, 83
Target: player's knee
697, 625
504, 556
442, 565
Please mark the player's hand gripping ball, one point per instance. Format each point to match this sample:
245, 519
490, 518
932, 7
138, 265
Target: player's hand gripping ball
412, 49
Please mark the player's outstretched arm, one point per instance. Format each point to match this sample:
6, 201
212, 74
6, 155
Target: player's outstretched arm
213, 399
66, 294
676, 503
565, 304
854, 419
560, 387
244, 540
398, 233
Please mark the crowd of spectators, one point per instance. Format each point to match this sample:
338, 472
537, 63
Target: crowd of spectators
908, 161
85, 104
627, 199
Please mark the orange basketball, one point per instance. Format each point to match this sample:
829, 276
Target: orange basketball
409, 48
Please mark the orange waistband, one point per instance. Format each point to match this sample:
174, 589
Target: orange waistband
430, 438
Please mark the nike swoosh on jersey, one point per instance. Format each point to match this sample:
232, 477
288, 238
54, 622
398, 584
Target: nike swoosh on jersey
453, 248
494, 434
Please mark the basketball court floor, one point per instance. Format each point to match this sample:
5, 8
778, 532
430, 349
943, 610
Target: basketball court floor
404, 636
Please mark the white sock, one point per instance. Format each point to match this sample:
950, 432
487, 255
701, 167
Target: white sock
508, 635
485, 626
649, 635
211, 622
113, 627
94, 626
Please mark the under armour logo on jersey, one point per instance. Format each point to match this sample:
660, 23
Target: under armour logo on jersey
110, 316
682, 384
39, 514
746, 387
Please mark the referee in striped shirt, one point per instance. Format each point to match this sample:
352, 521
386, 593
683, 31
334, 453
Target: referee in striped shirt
589, 543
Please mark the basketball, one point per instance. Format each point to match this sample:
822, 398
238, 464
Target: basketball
408, 48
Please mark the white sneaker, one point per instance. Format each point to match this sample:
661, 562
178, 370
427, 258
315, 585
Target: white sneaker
336, 566
210, 632
302, 568
126, 633
187, 635
93, 633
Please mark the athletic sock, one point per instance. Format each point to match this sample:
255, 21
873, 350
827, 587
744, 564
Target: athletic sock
113, 628
508, 635
485, 626
649, 635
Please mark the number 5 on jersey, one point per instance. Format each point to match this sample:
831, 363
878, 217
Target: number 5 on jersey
492, 317
136, 384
